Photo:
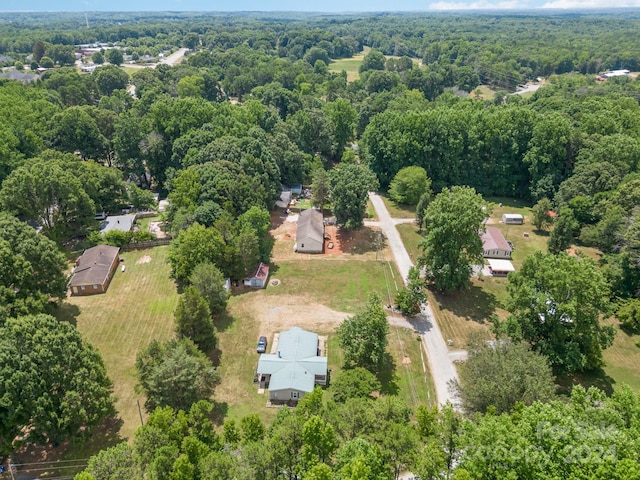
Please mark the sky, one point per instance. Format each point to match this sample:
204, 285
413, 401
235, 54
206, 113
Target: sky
305, 6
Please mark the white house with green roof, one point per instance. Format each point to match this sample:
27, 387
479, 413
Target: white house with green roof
296, 367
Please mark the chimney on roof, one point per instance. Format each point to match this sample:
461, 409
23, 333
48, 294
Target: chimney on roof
279, 354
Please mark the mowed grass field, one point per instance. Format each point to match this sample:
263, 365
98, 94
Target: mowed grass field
137, 308
350, 65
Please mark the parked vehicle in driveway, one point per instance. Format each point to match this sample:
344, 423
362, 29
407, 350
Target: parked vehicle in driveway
262, 345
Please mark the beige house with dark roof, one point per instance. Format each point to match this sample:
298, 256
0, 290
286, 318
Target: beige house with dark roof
94, 270
310, 232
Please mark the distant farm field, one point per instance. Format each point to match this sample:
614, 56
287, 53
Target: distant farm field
350, 65
137, 308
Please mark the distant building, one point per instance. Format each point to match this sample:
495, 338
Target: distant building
616, 73
494, 245
94, 270
296, 368
123, 223
284, 200
19, 76
6, 60
310, 232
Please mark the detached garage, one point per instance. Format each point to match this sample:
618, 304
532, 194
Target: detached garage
310, 232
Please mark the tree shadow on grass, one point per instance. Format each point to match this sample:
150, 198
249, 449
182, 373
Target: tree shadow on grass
222, 321
103, 436
471, 304
387, 376
215, 356
64, 312
593, 378
360, 241
219, 412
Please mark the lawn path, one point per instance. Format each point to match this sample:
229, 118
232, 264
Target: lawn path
441, 364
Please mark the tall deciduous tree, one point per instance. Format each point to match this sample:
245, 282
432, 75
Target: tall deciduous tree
500, 376
114, 56
53, 383
350, 186
210, 282
197, 244
31, 269
556, 302
452, 243
109, 78
193, 319
410, 299
343, 117
363, 337
409, 184
175, 374
320, 188
354, 383
48, 193
540, 214
562, 234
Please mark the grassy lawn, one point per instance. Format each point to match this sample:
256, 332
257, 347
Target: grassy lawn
399, 211
410, 376
410, 237
486, 93
137, 308
622, 359
129, 70
339, 284
350, 65
144, 222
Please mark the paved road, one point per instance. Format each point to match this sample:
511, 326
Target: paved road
175, 57
440, 360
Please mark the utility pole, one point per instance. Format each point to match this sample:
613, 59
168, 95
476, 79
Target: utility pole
140, 412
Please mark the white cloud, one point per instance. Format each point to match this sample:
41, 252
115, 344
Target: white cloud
591, 4
479, 5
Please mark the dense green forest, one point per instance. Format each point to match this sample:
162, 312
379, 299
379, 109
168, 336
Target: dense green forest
254, 107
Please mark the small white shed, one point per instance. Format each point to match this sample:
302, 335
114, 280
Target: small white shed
513, 219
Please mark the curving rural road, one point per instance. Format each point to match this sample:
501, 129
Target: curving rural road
440, 358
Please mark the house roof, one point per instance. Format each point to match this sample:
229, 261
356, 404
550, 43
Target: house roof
513, 215
492, 239
262, 272
94, 265
285, 199
124, 223
501, 265
19, 76
310, 225
297, 362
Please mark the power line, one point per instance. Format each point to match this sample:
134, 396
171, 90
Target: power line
50, 462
